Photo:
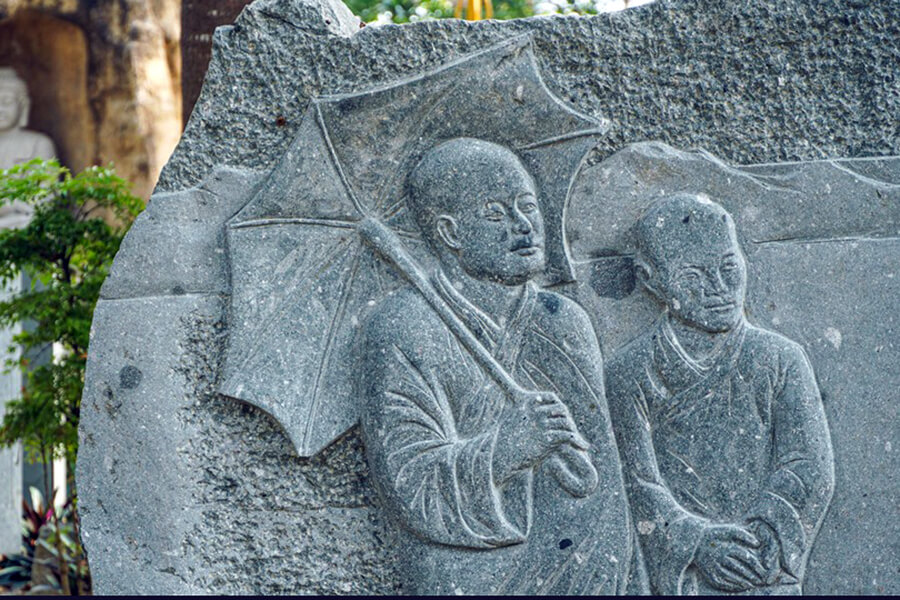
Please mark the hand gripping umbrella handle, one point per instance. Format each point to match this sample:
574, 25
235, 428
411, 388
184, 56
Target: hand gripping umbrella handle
572, 468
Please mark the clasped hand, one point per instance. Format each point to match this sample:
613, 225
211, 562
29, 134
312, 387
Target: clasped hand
731, 558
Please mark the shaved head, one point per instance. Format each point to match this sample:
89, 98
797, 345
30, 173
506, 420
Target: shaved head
477, 206
676, 226
452, 174
689, 258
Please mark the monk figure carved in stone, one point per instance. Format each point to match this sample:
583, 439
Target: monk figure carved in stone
723, 438
464, 470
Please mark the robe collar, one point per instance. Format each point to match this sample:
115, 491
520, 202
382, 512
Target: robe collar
504, 343
678, 371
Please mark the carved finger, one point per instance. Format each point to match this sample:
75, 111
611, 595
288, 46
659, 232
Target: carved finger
737, 568
559, 420
552, 410
739, 535
573, 438
723, 580
718, 581
731, 573
559, 437
751, 561
548, 398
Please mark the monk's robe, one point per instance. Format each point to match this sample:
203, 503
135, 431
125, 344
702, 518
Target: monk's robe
740, 439
430, 425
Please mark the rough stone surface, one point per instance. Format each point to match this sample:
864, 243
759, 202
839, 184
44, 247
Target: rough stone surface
184, 490
750, 82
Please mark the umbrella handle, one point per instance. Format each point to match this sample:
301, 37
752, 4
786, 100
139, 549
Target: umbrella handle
572, 468
573, 471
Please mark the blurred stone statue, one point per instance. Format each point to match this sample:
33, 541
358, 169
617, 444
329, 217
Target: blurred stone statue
725, 447
468, 471
17, 144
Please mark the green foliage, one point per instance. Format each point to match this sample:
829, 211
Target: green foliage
46, 537
65, 251
406, 11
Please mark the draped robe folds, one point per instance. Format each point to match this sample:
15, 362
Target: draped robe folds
740, 440
430, 425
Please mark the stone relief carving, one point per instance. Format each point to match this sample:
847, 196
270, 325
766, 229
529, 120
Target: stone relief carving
466, 459
394, 273
723, 438
303, 270
408, 257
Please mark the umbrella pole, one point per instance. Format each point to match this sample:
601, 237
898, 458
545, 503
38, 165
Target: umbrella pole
571, 467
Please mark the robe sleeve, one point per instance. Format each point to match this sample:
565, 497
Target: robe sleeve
437, 483
794, 498
668, 533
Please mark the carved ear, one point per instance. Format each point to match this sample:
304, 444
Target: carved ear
446, 230
644, 274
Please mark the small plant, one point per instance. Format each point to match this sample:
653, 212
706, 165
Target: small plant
36, 568
65, 250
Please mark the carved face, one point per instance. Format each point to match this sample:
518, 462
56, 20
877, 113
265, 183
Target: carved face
498, 231
10, 108
705, 286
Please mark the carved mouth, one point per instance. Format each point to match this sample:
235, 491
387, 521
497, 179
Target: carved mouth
721, 307
526, 247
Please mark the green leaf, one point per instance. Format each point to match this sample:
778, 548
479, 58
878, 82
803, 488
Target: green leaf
48, 547
62, 256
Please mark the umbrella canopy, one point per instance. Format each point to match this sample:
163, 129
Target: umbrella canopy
303, 279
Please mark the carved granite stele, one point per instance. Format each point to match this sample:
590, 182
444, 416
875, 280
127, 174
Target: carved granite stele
450, 355
408, 290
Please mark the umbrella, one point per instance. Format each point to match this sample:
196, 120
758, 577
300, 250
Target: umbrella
303, 269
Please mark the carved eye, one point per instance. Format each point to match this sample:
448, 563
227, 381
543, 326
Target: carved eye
494, 211
527, 204
689, 277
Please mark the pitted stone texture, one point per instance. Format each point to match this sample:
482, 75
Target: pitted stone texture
270, 522
200, 481
748, 81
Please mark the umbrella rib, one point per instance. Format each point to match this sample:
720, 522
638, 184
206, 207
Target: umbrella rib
565, 137
338, 315
393, 209
320, 119
295, 221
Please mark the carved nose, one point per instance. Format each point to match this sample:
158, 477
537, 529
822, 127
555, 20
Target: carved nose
523, 225
719, 284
